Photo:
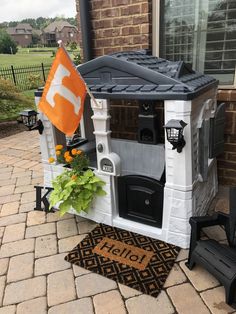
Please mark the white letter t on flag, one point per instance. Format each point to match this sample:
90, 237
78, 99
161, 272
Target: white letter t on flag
56, 87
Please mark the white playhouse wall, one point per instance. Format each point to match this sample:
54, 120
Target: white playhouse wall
185, 193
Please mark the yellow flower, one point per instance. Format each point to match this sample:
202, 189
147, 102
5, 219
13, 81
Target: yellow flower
58, 152
74, 151
74, 177
79, 152
58, 147
67, 154
51, 160
69, 159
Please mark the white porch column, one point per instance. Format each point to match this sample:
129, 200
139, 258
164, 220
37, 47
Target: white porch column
48, 140
101, 121
179, 178
104, 209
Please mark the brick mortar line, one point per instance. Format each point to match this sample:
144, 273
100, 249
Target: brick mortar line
76, 296
109, 18
31, 277
46, 234
198, 292
93, 305
117, 289
119, 36
119, 7
123, 298
49, 307
19, 223
16, 304
3, 295
187, 281
20, 253
9, 283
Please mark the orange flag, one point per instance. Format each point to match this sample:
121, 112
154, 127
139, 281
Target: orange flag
64, 94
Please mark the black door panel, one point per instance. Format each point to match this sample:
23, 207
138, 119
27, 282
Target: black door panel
141, 199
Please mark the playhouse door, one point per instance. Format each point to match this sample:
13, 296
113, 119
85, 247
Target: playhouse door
141, 199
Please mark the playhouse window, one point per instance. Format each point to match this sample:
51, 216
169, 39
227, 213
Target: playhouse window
202, 33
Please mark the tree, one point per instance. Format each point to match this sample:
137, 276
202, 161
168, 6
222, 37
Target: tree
3, 25
12, 24
30, 21
35, 38
72, 21
41, 22
7, 44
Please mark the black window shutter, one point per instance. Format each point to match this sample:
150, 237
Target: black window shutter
203, 150
217, 125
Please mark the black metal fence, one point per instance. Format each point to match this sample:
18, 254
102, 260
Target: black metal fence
26, 77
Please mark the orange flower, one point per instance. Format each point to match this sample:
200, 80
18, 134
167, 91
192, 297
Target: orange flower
51, 160
79, 152
69, 159
58, 152
74, 177
67, 154
58, 147
74, 151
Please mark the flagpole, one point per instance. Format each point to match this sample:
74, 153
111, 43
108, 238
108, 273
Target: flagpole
60, 44
91, 96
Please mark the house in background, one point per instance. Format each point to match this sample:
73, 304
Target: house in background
21, 34
59, 30
202, 33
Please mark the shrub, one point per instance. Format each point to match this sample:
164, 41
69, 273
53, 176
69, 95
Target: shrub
53, 54
35, 81
7, 44
8, 91
73, 45
77, 58
11, 98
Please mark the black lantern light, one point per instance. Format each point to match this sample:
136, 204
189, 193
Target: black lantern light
174, 133
29, 119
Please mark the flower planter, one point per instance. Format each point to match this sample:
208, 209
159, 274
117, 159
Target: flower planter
100, 208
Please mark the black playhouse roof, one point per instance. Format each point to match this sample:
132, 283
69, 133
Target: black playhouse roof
138, 75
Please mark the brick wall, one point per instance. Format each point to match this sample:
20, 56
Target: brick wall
119, 25
124, 119
22, 40
227, 161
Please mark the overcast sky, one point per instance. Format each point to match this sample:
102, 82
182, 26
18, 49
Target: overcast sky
16, 10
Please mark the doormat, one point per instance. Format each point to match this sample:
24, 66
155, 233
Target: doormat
134, 260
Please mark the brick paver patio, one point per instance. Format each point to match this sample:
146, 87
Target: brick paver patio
35, 279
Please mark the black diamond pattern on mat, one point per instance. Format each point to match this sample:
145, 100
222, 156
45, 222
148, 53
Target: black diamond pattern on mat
149, 281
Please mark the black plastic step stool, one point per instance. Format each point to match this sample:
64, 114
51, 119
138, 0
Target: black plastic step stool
219, 259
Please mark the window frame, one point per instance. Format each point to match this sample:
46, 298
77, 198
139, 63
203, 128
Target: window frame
157, 8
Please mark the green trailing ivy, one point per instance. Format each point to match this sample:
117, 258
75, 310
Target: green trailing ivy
75, 190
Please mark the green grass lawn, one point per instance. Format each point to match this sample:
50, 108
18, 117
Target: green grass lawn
25, 59
36, 49
28, 56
